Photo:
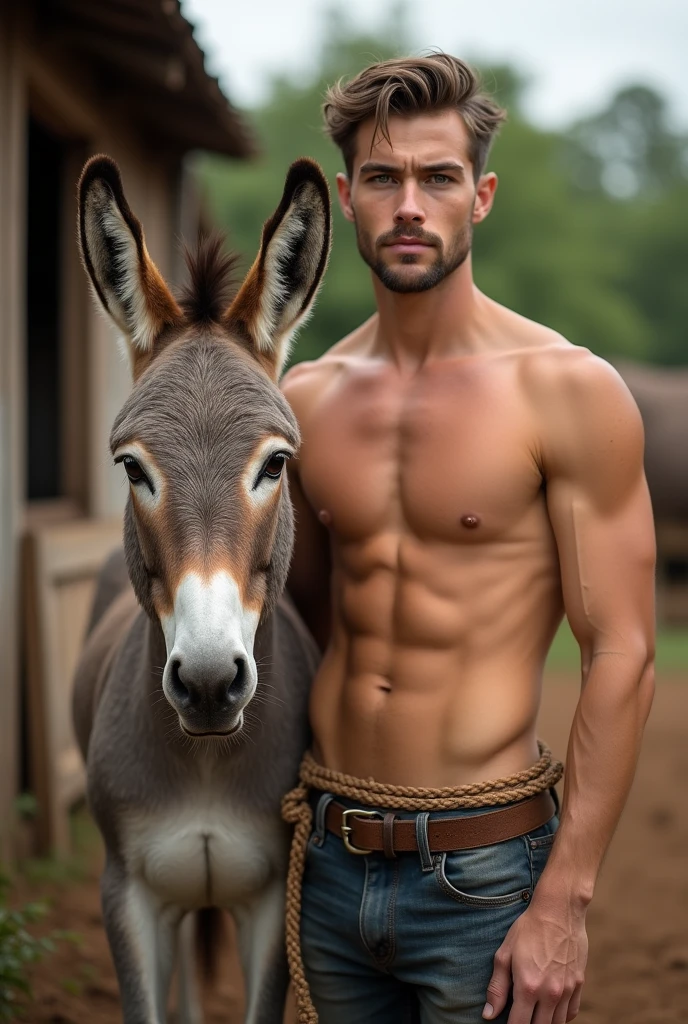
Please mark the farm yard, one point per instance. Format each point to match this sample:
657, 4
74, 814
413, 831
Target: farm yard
587, 237
638, 929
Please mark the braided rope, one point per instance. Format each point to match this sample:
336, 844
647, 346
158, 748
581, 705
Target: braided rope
296, 810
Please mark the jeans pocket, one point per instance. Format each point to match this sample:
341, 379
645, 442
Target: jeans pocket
490, 876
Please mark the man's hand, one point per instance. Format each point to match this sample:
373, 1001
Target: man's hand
543, 956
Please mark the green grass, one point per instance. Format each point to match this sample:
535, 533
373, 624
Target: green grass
672, 650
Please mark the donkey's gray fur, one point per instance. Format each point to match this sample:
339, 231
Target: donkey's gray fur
193, 823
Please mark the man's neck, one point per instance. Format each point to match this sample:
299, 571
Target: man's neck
415, 327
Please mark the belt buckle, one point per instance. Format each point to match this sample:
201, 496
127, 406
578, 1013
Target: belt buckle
347, 829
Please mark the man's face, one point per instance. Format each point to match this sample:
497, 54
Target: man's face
414, 203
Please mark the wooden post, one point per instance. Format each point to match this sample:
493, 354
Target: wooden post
12, 400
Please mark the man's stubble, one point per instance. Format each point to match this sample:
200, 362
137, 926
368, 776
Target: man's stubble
443, 265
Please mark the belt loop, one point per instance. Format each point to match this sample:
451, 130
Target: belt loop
422, 840
388, 835
320, 812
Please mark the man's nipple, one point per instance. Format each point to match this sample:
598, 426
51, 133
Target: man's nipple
470, 520
324, 517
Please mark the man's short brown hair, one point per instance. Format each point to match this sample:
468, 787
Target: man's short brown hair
406, 86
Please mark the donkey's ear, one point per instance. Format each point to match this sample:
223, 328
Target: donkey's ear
280, 289
125, 280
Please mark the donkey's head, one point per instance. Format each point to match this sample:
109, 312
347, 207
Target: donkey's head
205, 433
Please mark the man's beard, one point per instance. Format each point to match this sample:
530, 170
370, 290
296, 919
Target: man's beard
443, 265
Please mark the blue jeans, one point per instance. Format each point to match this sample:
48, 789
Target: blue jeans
411, 939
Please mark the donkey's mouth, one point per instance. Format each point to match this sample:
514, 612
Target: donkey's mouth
213, 732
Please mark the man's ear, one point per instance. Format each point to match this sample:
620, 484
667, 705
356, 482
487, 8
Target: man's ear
125, 281
344, 196
484, 196
281, 286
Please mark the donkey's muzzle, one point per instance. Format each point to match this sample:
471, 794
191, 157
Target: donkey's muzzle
208, 700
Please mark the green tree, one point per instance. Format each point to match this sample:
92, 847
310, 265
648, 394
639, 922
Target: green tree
631, 168
628, 149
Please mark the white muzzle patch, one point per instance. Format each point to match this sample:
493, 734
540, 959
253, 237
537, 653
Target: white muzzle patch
209, 629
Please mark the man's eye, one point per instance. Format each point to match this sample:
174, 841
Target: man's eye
440, 179
133, 470
274, 465
383, 179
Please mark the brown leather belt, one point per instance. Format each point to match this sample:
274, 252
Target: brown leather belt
366, 831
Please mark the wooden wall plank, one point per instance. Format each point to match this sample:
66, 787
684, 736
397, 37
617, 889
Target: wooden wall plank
61, 566
12, 255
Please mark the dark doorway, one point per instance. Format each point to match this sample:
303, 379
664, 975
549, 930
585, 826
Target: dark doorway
46, 159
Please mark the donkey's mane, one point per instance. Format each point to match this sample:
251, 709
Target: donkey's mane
211, 279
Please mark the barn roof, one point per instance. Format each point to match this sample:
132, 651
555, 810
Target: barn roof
144, 52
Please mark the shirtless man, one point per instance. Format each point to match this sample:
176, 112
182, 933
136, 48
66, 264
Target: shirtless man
466, 476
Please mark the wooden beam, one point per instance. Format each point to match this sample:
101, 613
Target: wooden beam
152, 43
65, 109
12, 402
131, 24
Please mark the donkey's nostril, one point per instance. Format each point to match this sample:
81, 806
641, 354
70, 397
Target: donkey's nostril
239, 673
177, 688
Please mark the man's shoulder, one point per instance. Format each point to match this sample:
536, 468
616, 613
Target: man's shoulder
305, 382
549, 360
571, 377
583, 408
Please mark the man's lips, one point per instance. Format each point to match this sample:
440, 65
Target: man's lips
408, 245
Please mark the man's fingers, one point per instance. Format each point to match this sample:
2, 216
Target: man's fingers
561, 1012
554, 1006
524, 1005
574, 1003
500, 984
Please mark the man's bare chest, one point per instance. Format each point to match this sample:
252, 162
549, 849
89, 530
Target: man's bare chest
449, 460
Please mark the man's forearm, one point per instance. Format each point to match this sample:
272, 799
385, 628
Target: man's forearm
601, 760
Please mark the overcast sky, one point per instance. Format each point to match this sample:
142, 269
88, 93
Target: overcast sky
577, 51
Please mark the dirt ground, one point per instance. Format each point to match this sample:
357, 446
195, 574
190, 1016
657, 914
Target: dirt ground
638, 922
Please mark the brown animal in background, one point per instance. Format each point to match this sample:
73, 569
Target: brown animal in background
662, 396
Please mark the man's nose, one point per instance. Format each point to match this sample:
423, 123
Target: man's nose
409, 210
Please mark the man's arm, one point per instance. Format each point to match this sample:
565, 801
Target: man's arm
309, 573
599, 507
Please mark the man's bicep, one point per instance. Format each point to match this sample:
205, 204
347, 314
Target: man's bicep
607, 567
600, 510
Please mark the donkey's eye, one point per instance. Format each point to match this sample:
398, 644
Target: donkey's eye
133, 470
274, 465
272, 468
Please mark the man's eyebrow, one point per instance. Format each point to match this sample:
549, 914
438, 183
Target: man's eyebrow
372, 166
443, 165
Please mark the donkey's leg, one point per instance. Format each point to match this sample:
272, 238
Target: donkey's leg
142, 937
189, 1009
260, 927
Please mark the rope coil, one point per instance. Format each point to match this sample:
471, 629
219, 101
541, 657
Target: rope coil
296, 810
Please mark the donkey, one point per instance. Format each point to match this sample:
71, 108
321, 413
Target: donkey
190, 696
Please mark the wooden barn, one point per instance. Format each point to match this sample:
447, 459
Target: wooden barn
123, 77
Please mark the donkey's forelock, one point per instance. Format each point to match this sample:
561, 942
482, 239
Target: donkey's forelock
212, 281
